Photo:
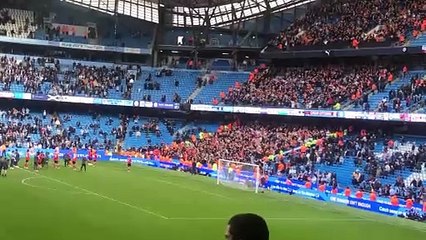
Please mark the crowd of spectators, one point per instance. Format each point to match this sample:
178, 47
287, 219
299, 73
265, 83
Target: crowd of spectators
278, 148
404, 97
295, 152
78, 79
28, 72
370, 21
21, 128
247, 142
90, 81
149, 127
314, 87
372, 166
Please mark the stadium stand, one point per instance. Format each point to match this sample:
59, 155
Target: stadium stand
359, 88
211, 89
382, 165
366, 161
379, 23
407, 96
242, 118
62, 25
165, 85
380, 99
17, 23
310, 87
76, 78
420, 40
24, 128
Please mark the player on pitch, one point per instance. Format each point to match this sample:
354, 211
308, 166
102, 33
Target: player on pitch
83, 164
129, 163
56, 159
27, 159
3, 166
74, 158
39, 160
35, 161
94, 156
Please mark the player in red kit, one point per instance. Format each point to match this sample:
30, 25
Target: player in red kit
89, 155
74, 158
94, 156
129, 163
74, 161
56, 159
39, 161
27, 159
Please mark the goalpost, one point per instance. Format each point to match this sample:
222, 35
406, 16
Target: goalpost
239, 175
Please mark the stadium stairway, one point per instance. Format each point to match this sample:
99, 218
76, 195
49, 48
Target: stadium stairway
85, 122
224, 81
420, 41
375, 99
150, 138
343, 171
187, 84
195, 93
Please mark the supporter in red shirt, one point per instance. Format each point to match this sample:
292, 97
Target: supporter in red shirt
359, 194
394, 200
373, 196
347, 192
308, 185
409, 203
355, 43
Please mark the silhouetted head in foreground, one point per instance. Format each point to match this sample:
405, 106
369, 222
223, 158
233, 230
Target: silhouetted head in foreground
247, 226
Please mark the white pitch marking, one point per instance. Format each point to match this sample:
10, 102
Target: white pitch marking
25, 182
195, 190
279, 219
103, 196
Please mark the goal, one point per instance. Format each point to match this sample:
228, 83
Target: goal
238, 175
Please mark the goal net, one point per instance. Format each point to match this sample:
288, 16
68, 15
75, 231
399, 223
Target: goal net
238, 175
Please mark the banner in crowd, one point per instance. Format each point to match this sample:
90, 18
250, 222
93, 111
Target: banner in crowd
105, 101
381, 116
15, 95
277, 184
72, 30
80, 46
89, 100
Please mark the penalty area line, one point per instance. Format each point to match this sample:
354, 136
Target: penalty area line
25, 182
102, 196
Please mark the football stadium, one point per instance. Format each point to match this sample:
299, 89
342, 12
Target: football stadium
213, 119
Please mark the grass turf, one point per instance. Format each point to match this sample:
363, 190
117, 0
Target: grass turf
107, 203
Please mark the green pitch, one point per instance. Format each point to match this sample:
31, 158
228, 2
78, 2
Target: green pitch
109, 203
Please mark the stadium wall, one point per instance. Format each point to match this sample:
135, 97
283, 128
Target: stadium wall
277, 184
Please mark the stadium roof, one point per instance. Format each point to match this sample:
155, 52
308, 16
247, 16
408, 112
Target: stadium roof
192, 12
197, 3
222, 12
